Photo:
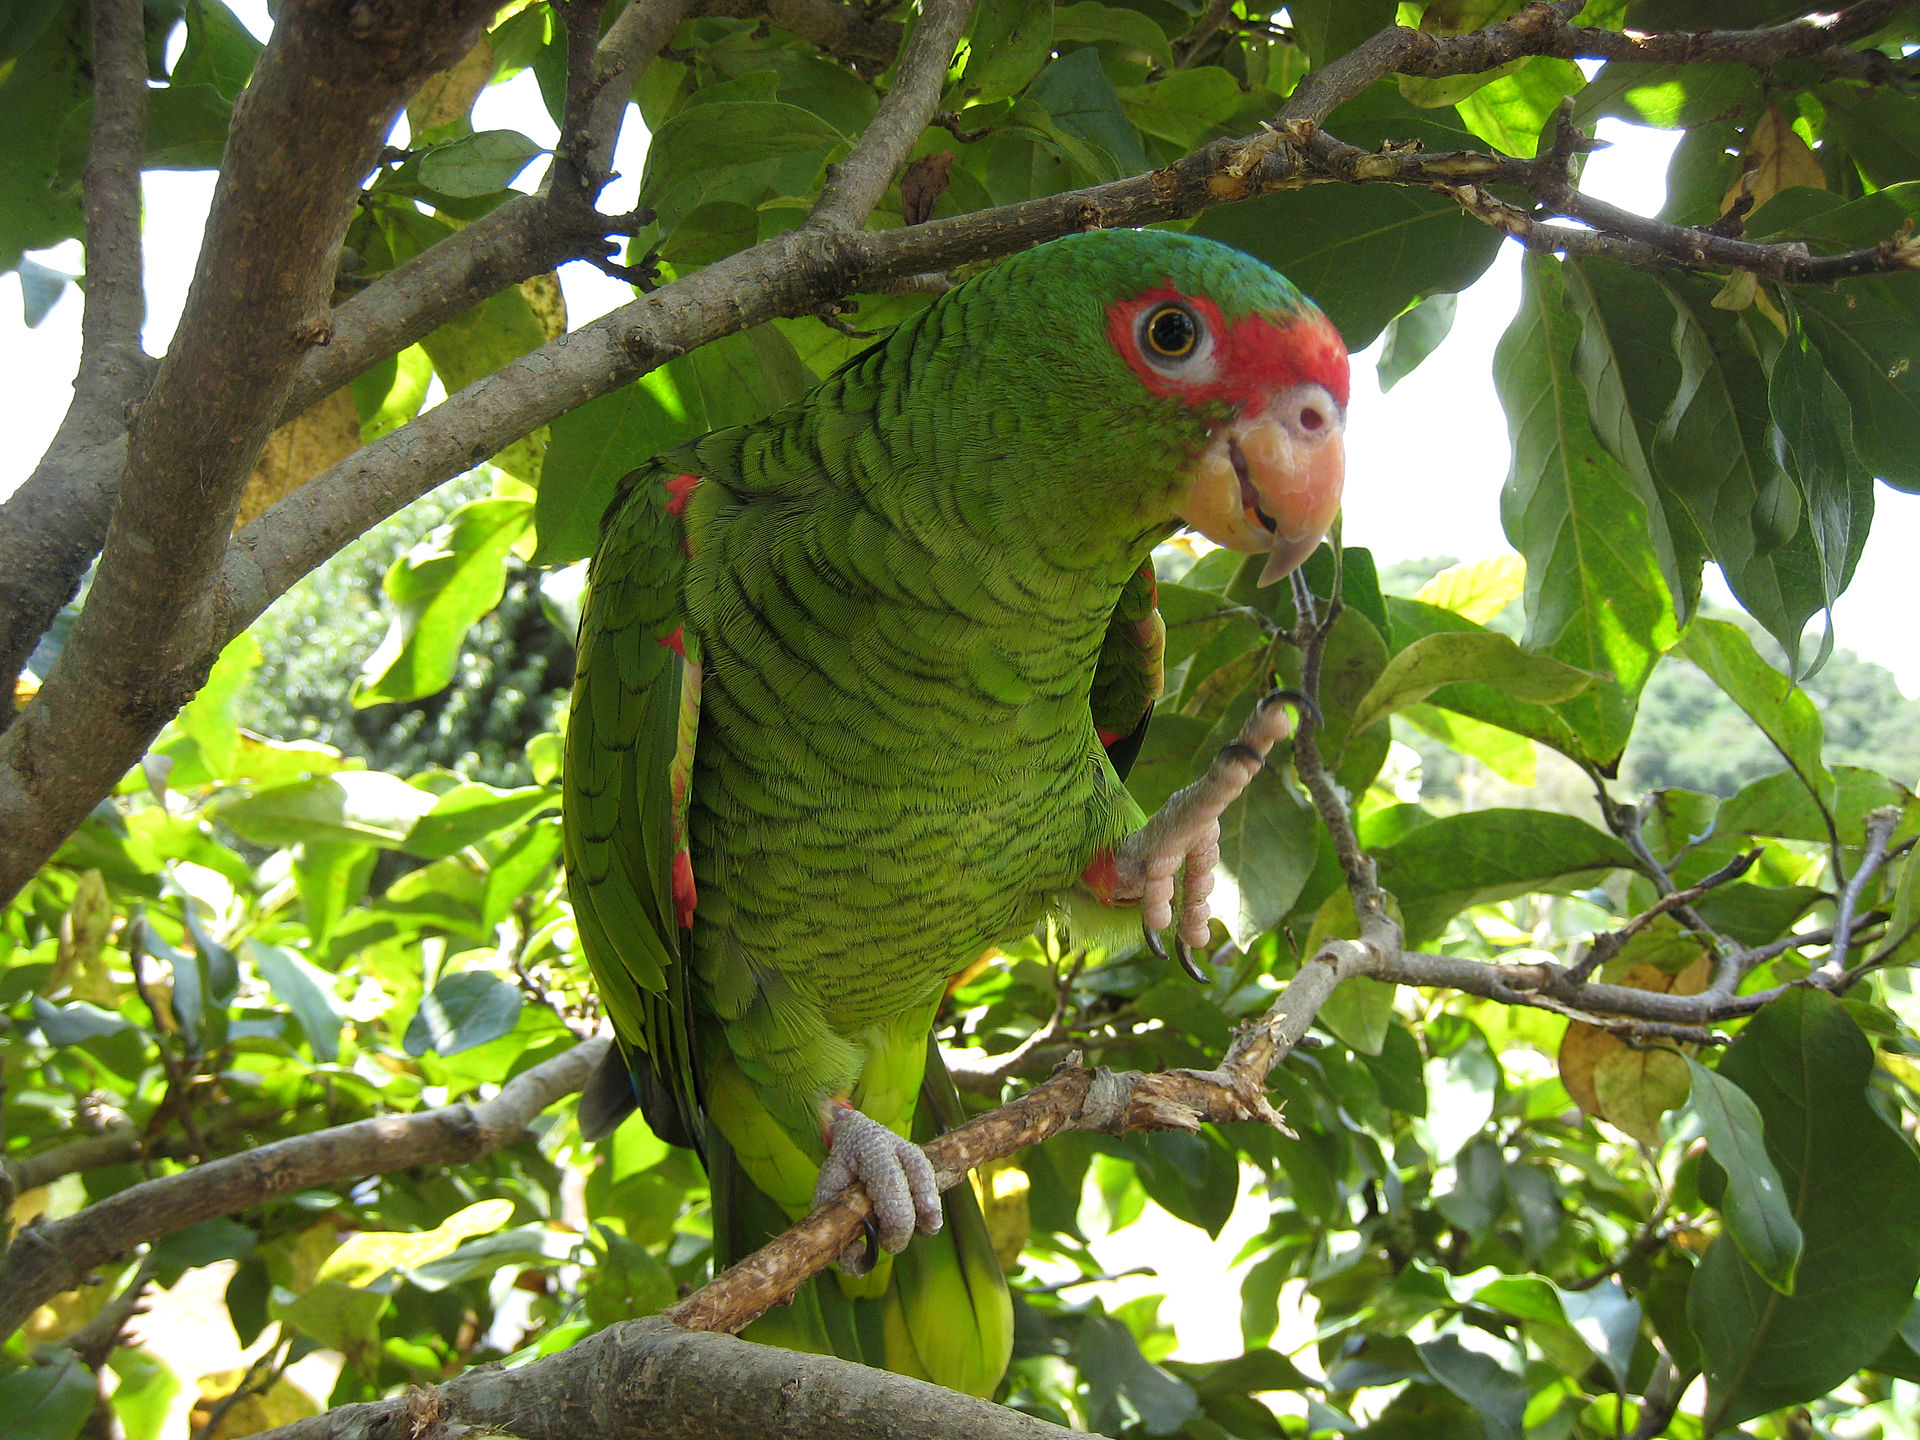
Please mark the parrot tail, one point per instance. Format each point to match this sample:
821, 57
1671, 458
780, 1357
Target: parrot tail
939, 1312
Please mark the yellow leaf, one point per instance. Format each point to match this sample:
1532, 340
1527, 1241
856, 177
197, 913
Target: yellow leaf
299, 450
449, 96
282, 1403
1779, 160
368, 1255
1479, 590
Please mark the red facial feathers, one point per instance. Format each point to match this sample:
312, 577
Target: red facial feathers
1252, 357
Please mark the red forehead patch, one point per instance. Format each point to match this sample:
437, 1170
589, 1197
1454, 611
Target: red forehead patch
1252, 357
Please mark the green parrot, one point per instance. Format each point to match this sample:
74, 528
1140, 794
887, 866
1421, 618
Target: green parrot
857, 687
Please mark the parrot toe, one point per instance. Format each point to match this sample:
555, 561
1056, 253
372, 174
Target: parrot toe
1173, 856
895, 1174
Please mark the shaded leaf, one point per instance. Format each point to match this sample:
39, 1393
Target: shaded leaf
463, 1011
1755, 1203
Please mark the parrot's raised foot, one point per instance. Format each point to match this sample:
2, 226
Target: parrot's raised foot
1184, 835
896, 1175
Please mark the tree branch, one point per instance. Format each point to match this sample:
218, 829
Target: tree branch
46, 1259
850, 33
322, 98
50, 528
855, 185
645, 1380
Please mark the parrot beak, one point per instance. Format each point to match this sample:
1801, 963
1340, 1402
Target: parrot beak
1271, 481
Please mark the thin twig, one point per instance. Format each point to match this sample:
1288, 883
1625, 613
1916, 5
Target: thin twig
1605, 947
94, 1341
1880, 828
857, 183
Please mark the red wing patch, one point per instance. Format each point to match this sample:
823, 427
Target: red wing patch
675, 642
685, 894
679, 489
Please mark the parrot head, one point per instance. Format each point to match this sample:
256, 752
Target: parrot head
1264, 374
1200, 387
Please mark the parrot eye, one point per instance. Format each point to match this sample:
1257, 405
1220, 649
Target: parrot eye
1171, 332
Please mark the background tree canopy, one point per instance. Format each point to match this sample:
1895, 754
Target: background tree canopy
1605, 1124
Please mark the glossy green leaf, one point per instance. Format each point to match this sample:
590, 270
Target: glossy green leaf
469, 813
1011, 41
1847, 1175
1625, 362
439, 589
1413, 335
1755, 1202
308, 993
1484, 658
1185, 107
1595, 596
351, 807
143, 1399
1471, 859
1510, 111
46, 1402
736, 150
1497, 1395
478, 164
1126, 30
1780, 708
464, 1010
1076, 94
220, 51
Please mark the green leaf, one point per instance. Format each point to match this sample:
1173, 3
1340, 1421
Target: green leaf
747, 151
1781, 709
330, 878
1867, 330
1111, 1365
308, 993
1011, 40
469, 813
1510, 111
1473, 859
1462, 1087
1484, 658
479, 164
1128, 30
1082, 102
735, 380
476, 343
1497, 1395
439, 589
204, 740
1853, 1184
1625, 363
72, 1023
1595, 595
187, 127
1779, 805
1413, 335
1715, 455
220, 51
1183, 108
1755, 1203
464, 1010
144, 1397
42, 98
47, 1402
1512, 757
351, 807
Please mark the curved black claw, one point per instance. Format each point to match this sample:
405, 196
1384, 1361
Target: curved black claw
1187, 962
1180, 952
1299, 698
869, 1248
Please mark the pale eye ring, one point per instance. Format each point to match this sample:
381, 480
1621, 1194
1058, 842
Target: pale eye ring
1170, 333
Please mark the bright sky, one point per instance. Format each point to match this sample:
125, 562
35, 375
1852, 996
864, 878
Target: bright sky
1407, 496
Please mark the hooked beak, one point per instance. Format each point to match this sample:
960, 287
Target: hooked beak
1271, 482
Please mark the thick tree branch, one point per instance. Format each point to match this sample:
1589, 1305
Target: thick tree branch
50, 528
648, 1381
855, 185
114, 1146
46, 1259
310, 124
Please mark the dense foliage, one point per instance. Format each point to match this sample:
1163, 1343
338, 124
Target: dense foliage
1494, 1220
